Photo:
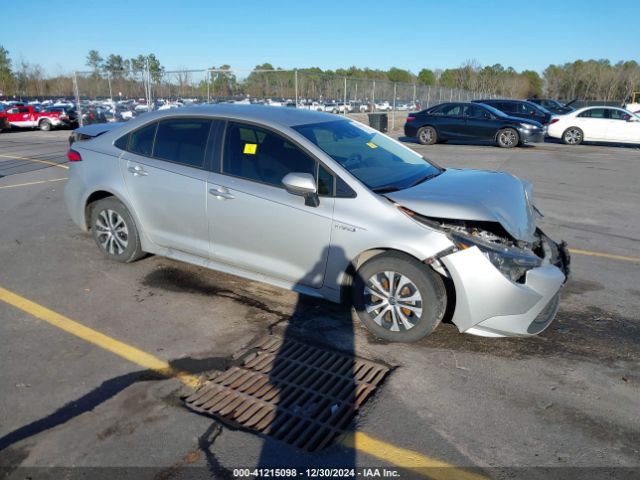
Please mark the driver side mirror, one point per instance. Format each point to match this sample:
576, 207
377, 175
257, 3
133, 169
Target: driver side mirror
303, 184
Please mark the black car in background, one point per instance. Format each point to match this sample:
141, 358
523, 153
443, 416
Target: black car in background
520, 109
554, 106
471, 121
68, 114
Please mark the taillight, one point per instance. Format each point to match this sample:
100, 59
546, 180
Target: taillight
74, 156
410, 119
554, 120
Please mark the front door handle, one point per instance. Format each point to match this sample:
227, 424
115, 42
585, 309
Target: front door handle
221, 194
138, 171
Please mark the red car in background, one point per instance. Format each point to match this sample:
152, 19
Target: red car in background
28, 116
4, 121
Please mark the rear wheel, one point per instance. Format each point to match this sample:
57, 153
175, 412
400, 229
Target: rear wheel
507, 138
44, 125
427, 135
115, 231
573, 136
398, 298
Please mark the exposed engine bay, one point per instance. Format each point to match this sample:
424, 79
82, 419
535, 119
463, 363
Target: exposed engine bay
511, 256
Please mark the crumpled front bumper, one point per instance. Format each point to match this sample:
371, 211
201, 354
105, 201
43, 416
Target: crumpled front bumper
490, 305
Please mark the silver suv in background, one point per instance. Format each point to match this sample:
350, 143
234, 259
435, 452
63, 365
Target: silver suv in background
325, 206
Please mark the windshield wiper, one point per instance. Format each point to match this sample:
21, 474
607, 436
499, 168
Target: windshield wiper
425, 178
385, 189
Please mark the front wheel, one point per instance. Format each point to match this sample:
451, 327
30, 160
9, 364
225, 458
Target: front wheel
115, 231
572, 136
427, 135
507, 138
45, 125
397, 298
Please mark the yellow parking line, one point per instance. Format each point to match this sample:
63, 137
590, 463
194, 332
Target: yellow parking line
604, 255
112, 345
46, 162
407, 459
33, 183
400, 457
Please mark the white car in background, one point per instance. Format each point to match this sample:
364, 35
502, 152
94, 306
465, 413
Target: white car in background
383, 106
596, 124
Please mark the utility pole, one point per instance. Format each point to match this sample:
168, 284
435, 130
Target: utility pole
373, 97
295, 81
77, 93
345, 97
393, 117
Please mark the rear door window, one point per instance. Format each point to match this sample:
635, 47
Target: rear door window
141, 141
593, 113
471, 111
452, 110
182, 141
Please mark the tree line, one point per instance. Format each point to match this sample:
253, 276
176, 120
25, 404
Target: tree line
115, 75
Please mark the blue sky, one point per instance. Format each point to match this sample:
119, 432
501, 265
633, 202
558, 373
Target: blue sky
324, 33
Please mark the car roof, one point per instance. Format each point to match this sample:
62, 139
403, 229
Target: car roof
592, 107
509, 100
283, 116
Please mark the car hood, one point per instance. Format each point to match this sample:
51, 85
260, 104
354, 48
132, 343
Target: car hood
523, 120
474, 195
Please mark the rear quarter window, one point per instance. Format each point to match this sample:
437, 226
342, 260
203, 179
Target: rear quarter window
122, 142
141, 141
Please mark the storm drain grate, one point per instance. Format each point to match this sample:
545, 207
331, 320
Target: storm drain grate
300, 394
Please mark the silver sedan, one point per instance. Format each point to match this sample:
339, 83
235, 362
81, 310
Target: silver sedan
325, 206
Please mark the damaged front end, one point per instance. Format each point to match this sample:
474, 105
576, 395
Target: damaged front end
504, 286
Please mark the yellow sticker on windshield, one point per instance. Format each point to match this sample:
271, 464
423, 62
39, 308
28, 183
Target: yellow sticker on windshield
250, 148
372, 145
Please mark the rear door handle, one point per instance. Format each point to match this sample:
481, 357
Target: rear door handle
138, 171
221, 194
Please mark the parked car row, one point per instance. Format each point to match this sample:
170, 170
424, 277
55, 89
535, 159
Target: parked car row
510, 123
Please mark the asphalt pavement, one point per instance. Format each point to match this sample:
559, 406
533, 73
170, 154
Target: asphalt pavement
565, 402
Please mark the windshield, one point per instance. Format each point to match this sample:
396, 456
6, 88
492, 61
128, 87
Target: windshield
494, 110
382, 164
540, 108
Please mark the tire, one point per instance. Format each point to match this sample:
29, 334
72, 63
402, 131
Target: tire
114, 230
427, 135
573, 136
44, 125
396, 320
507, 138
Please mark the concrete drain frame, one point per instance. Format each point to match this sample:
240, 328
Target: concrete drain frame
298, 393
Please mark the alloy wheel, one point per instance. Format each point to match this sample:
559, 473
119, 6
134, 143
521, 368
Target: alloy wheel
393, 301
112, 232
573, 136
426, 135
507, 138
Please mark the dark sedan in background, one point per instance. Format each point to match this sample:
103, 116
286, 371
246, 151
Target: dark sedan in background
471, 121
554, 106
520, 109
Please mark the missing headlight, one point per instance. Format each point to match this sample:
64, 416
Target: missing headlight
511, 261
